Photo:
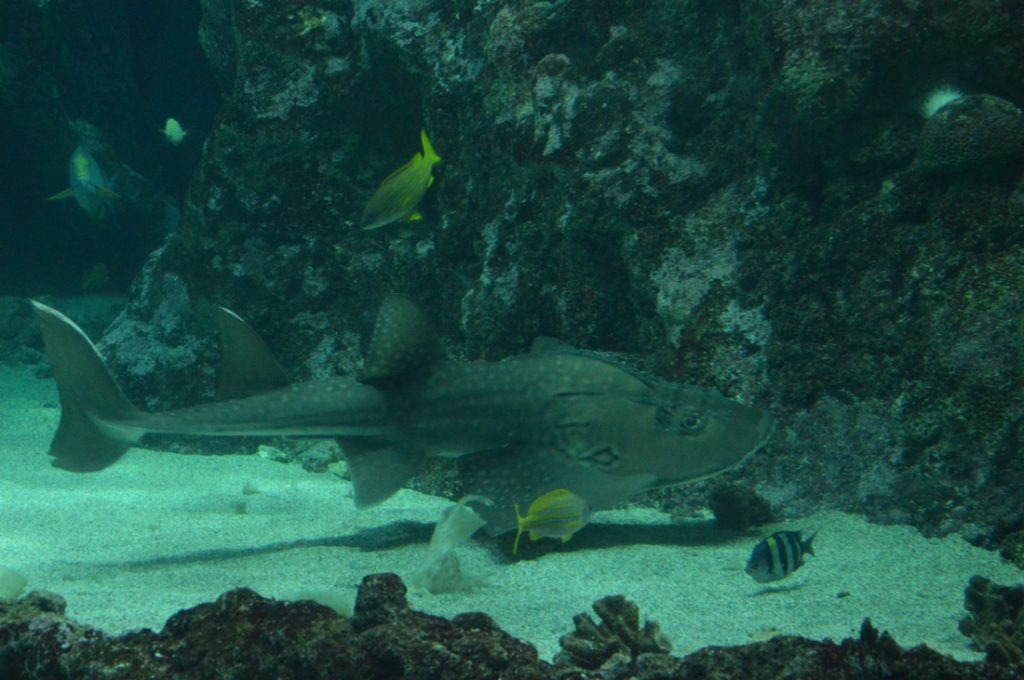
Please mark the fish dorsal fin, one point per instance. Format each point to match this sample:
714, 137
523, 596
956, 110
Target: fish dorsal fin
543, 344
402, 343
247, 365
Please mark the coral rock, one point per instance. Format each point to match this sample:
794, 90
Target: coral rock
976, 132
995, 621
615, 644
737, 506
244, 635
381, 600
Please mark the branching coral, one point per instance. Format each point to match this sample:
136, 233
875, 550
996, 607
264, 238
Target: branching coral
614, 644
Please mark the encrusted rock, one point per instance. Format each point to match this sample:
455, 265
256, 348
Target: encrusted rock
244, 635
995, 621
614, 645
33, 634
1012, 548
974, 133
737, 506
873, 655
381, 599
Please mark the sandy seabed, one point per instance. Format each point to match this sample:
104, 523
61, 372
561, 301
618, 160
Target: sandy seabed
158, 532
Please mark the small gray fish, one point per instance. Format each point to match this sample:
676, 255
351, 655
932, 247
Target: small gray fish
779, 555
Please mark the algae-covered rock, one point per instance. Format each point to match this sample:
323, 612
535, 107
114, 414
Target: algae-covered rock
738, 507
1012, 548
995, 621
616, 643
975, 133
242, 634
245, 635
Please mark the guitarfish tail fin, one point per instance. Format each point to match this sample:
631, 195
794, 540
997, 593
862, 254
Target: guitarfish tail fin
96, 417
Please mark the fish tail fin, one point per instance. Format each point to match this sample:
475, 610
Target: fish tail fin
428, 150
61, 195
807, 546
519, 533
95, 413
515, 546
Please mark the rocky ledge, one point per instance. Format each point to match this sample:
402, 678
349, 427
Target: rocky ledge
244, 635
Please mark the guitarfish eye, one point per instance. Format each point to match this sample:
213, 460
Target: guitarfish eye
691, 422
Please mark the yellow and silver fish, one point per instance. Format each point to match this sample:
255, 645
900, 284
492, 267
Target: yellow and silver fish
399, 194
556, 514
173, 132
87, 185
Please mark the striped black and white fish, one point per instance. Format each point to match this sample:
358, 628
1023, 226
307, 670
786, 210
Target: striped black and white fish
779, 555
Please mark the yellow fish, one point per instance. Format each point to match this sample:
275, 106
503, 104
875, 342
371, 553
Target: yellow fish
87, 185
173, 131
398, 195
556, 514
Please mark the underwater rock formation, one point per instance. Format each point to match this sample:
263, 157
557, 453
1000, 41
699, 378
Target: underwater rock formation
738, 507
871, 655
978, 134
995, 621
245, 635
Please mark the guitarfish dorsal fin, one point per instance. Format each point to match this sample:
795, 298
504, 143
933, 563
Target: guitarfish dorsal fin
247, 365
402, 343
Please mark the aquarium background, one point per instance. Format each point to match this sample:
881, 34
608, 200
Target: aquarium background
740, 194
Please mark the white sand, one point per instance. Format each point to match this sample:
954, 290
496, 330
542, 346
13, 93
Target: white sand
129, 546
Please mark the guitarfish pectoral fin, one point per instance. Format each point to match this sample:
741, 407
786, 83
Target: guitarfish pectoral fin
378, 468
